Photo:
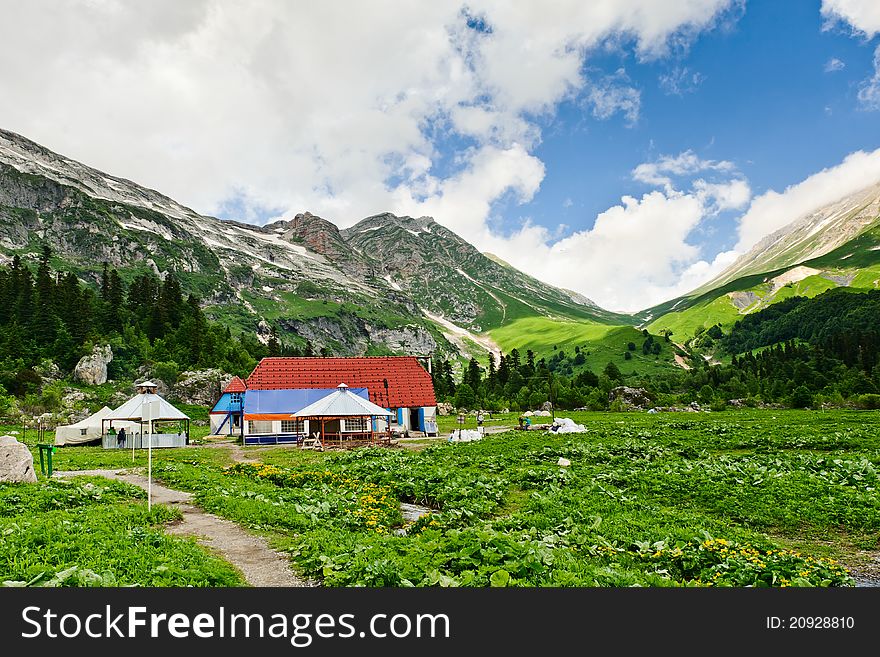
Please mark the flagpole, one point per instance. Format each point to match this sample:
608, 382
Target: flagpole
150, 457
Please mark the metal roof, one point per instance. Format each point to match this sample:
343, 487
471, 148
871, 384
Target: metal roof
342, 403
287, 402
135, 409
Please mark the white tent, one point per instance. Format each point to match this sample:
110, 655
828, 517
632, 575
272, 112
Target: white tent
88, 430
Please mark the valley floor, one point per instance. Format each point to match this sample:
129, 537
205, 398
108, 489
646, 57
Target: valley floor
739, 498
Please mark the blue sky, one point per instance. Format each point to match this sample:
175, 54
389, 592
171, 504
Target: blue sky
765, 102
626, 150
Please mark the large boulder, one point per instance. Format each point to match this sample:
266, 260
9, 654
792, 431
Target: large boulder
201, 387
632, 397
445, 409
16, 462
92, 368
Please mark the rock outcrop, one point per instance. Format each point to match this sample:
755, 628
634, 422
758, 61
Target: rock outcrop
16, 462
201, 387
92, 368
632, 397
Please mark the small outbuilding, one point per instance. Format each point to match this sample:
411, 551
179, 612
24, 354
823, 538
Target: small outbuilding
270, 415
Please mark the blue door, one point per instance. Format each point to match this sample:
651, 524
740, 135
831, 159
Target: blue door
421, 426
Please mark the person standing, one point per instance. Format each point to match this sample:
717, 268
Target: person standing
120, 438
480, 421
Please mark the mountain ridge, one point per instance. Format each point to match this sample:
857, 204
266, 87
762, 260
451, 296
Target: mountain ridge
342, 289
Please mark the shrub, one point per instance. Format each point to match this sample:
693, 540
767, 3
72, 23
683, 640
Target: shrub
869, 401
801, 398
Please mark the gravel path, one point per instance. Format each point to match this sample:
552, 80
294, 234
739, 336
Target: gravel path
260, 565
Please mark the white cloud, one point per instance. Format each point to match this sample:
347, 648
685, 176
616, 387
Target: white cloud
773, 210
833, 65
863, 16
631, 258
717, 197
684, 164
296, 105
611, 94
680, 81
276, 107
637, 254
869, 90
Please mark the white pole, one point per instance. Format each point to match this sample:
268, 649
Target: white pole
150, 457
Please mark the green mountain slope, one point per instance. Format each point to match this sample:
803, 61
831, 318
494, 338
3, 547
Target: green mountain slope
449, 277
843, 244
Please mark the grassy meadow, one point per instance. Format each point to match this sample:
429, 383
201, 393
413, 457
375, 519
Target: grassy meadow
738, 498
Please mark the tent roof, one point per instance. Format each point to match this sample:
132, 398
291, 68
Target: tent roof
92, 419
287, 402
340, 403
134, 409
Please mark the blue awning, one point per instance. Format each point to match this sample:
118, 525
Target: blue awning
286, 402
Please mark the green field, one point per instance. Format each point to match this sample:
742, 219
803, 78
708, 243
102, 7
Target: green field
760, 498
93, 532
600, 343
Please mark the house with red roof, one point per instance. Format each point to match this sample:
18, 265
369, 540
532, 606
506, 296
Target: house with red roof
281, 387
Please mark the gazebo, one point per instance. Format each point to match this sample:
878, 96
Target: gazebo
147, 409
345, 418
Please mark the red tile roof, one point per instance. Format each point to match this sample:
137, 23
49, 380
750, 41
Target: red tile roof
236, 385
409, 384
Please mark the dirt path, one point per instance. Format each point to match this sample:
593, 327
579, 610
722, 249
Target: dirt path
260, 565
237, 453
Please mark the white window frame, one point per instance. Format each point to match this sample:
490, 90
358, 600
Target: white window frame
292, 426
363, 424
255, 424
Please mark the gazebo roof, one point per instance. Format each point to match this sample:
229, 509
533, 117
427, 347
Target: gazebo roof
342, 403
135, 409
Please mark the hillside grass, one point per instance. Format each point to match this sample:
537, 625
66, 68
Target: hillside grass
685, 323
600, 343
721, 310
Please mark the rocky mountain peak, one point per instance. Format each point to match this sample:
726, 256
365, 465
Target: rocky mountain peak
811, 235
